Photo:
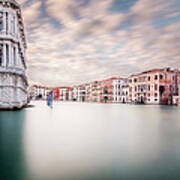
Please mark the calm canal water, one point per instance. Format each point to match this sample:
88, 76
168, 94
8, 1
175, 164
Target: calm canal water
79, 141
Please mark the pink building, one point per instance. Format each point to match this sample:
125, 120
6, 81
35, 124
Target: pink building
178, 84
176, 98
95, 91
106, 91
156, 86
88, 92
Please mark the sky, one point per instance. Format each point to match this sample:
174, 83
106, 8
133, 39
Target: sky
72, 42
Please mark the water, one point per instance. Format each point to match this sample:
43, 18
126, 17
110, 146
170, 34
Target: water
82, 141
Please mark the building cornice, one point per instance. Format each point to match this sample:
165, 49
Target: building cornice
15, 71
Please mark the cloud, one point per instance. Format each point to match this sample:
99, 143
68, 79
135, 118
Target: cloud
73, 42
21, 2
31, 13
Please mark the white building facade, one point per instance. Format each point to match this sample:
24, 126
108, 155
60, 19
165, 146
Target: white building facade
82, 93
13, 81
64, 93
120, 90
70, 94
125, 94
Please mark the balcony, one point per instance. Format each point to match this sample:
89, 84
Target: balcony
13, 70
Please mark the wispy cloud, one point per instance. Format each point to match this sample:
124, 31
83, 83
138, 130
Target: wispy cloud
72, 42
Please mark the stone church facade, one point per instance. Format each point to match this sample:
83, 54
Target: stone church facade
13, 81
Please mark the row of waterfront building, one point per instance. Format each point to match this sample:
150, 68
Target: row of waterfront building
156, 86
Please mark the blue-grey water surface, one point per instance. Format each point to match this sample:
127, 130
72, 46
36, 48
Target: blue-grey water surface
79, 141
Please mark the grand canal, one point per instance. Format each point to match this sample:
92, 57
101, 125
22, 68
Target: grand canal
79, 141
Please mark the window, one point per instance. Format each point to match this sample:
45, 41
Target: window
149, 78
7, 55
14, 24
160, 76
156, 87
144, 79
170, 88
135, 80
149, 87
155, 77
161, 90
14, 51
1, 21
7, 23
1, 25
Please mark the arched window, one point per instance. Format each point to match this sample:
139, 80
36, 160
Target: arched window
7, 55
14, 24
14, 54
7, 23
1, 21
156, 77
161, 77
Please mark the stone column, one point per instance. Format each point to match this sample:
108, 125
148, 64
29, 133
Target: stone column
4, 55
16, 54
13, 58
18, 57
10, 55
15, 21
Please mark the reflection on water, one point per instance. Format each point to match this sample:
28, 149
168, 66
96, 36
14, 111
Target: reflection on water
91, 141
11, 145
